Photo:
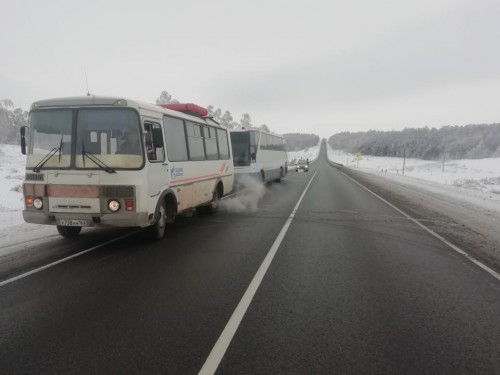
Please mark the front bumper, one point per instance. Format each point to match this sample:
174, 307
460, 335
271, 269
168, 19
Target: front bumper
126, 219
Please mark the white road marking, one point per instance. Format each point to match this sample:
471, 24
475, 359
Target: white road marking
442, 239
36, 270
232, 325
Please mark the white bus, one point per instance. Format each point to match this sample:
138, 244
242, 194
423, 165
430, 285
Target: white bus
258, 154
104, 161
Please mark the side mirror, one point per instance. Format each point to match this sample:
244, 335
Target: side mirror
23, 139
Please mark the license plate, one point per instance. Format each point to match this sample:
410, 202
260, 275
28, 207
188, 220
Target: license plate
73, 223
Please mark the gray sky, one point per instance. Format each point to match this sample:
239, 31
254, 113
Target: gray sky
308, 66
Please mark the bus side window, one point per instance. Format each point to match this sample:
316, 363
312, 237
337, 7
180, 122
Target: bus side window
155, 147
223, 144
253, 146
210, 138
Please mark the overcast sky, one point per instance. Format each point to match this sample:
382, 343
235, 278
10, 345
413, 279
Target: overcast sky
310, 66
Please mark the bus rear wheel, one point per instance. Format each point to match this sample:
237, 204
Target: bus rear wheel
68, 232
282, 175
213, 206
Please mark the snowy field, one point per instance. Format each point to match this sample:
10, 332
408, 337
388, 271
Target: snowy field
310, 153
477, 174
474, 184
11, 174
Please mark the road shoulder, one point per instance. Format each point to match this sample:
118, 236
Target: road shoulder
470, 227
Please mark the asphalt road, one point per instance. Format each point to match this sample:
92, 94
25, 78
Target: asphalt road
354, 288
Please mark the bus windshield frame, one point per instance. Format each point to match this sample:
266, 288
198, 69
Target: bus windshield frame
105, 133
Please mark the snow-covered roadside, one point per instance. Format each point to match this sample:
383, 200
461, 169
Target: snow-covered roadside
12, 164
13, 229
423, 174
475, 174
310, 153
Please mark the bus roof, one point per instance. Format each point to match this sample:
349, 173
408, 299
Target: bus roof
114, 101
255, 130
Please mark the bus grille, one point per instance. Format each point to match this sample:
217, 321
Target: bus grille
118, 191
34, 177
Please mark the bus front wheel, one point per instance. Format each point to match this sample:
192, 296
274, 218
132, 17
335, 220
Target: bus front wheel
158, 228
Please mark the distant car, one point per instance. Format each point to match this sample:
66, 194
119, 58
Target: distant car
302, 165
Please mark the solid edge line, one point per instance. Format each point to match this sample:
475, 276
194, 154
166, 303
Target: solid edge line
36, 270
439, 237
215, 357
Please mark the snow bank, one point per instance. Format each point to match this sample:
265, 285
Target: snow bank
12, 164
477, 174
13, 229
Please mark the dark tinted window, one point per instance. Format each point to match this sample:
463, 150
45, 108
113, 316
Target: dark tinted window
240, 143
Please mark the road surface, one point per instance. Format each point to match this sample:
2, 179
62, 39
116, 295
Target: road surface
354, 288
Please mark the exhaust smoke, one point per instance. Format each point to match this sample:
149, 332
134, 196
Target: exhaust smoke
249, 193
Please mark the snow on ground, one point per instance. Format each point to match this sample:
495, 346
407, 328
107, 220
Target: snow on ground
476, 174
480, 195
13, 229
310, 153
12, 164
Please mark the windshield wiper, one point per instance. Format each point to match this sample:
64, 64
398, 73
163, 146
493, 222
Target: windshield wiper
47, 157
95, 160
60, 148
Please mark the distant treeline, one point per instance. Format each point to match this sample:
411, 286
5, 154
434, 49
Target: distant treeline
11, 120
299, 141
456, 142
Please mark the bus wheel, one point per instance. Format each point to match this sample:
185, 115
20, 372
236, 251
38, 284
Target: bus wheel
158, 228
213, 206
281, 175
68, 232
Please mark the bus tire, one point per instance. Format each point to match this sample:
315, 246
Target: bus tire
263, 176
69, 232
158, 228
213, 206
281, 175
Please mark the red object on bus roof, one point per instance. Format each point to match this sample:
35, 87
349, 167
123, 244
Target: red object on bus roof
188, 108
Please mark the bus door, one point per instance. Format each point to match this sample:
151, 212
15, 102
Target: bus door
157, 169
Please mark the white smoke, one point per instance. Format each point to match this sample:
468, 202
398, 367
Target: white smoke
250, 191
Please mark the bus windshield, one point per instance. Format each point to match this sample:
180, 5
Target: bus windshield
50, 129
111, 135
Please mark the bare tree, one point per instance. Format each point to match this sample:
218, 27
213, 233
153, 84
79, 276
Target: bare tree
264, 128
166, 98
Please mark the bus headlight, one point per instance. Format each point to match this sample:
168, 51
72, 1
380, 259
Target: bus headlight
38, 203
113, 205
